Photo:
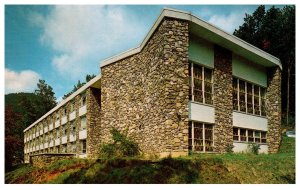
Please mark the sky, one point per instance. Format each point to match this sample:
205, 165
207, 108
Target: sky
62, 44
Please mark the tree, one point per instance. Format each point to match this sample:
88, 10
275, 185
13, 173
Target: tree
274, 32
13, 138
46, 95
79, 85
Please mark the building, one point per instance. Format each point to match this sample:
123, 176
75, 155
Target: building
189, 86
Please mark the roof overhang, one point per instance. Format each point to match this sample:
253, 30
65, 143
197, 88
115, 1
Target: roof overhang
209, 32
95, 83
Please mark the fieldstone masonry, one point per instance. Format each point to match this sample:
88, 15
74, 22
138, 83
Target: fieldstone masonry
43, 159
147, 93
273, 109
93, 122
223, 99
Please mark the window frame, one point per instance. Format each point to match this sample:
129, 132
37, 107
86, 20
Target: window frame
252, 136
192, 137
253, 96
203, 82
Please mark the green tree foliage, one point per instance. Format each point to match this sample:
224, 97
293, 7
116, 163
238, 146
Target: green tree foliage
122, 146
13, 138
79, 85
21, 110
274, 32
46, 96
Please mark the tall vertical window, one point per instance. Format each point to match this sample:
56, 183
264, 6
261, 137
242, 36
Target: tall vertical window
83, 99
201, 137
83, 123
64, 130
73, 128
248, 97
83, 146
201, 84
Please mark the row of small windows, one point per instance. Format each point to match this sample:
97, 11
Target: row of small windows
201, 136
64, 149
57, 115
249, 135
72, 128
247, 97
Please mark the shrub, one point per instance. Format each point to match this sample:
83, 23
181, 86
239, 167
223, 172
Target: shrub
122, 146
229, 148
254, 148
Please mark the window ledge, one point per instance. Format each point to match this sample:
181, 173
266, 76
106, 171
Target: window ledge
265, 117
249, 142
210, 105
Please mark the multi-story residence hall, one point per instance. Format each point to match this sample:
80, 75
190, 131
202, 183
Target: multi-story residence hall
189, 86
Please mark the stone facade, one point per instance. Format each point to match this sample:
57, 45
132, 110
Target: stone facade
92, 115
147, 93
146, 96
93, 122
223, 99
273, 109
43, 159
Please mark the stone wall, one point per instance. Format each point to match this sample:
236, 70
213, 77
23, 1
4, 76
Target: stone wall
273, 109
93, 122
41, 160
223, 99
147, 93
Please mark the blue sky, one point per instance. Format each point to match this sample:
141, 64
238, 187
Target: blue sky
61, 44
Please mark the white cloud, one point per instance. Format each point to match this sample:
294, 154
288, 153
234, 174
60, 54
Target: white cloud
81, 35
228, 22
24, 81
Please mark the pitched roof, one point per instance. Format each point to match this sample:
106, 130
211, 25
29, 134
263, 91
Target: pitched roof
92, 83
209, 32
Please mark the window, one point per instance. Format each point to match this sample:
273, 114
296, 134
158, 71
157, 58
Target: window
64, 130
57, 149
64, 111
83, 123
57, 133
83, 99
74, 147
83, 146
235, 134
64, 149
201, 137
263, 137
249, 135
201, 87
50, 136
248, 97
73, 128
57, 116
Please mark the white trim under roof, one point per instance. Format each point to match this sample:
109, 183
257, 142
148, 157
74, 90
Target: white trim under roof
173, 13
63, 102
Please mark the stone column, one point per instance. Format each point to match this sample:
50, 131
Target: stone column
223, 99
273, 109
93, 122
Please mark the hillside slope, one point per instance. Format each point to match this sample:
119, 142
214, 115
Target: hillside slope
199, 168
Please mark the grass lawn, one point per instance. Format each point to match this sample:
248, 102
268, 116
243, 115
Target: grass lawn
197, 168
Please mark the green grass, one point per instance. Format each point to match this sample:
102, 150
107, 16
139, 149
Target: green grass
197, 168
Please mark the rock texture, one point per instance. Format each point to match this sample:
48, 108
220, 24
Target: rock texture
41, 160
273, 109
223, 129
147, 93
93, 122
